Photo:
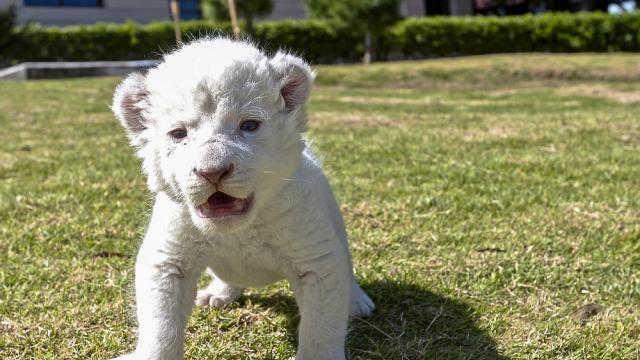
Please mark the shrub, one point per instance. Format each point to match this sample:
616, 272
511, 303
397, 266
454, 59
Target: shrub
370, 17
560, 32
104, 41
7, 28
317, 41
325, 41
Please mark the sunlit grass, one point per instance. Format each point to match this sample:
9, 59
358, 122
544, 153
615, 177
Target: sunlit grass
487, 199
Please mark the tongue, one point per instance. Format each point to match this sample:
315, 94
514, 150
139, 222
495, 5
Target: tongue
221, 204
221, 200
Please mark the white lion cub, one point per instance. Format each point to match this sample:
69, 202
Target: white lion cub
218, 126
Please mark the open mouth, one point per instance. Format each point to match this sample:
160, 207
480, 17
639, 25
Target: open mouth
220, 204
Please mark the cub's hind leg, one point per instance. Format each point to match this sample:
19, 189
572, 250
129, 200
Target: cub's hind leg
218, 293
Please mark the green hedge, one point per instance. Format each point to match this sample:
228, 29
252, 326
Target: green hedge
101, 41
324, 42
318, 41
560, 32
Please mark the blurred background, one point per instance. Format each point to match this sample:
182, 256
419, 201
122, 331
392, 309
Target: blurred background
71, 12
322, 31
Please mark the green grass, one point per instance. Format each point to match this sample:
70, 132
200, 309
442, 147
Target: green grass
487, 199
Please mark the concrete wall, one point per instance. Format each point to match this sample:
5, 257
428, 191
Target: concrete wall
412, 8
461, 7
296, 9
142, 11
287, 9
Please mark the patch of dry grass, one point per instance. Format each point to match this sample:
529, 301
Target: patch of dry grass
601, 91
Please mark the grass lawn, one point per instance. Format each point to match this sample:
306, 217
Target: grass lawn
488, 200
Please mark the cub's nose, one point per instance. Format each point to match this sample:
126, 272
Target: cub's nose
215, 175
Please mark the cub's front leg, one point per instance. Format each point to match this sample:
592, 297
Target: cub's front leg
323, 300
167, 270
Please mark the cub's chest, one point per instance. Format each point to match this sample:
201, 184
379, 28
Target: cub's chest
247, 263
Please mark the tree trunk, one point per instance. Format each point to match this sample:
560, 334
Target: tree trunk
233, 15
367, 48
175, 12
248, 19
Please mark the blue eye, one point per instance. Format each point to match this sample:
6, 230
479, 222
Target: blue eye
178, 134
250, 125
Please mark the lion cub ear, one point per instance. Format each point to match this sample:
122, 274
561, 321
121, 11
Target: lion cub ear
130, 100
295, 78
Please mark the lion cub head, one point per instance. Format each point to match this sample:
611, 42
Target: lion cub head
218, 125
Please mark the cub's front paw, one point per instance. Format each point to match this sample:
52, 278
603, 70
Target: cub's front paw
361, 305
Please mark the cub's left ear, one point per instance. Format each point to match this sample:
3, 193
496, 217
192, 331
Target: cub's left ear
295, 78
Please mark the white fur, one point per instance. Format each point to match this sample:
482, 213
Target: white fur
294, 230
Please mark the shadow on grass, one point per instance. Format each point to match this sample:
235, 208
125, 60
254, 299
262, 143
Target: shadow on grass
412, 323
409, 323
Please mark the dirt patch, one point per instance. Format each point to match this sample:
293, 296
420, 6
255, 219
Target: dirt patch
586, 312
365, 215
478, 102
374, 100
503, 92
421, 101
601, 91
383, 101
109, 254
479, 134
8, 327
350, 119
6, 161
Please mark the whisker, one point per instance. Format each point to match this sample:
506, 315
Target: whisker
304, 181
284, 179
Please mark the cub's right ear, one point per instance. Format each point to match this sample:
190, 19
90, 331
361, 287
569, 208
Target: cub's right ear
130, 101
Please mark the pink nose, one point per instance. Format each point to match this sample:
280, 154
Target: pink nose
216, 175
